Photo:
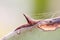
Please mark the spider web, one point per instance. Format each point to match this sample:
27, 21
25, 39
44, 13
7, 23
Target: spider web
55, 14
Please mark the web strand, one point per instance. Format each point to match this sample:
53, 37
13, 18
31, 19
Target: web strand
53, 15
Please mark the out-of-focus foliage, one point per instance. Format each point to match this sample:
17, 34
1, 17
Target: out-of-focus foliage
41, 9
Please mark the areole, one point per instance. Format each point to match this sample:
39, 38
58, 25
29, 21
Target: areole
47, 24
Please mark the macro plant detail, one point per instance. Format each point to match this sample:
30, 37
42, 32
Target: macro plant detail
46, 25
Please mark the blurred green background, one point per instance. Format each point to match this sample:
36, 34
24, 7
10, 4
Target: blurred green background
37, 9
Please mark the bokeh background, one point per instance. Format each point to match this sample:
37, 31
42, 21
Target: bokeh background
11, 17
